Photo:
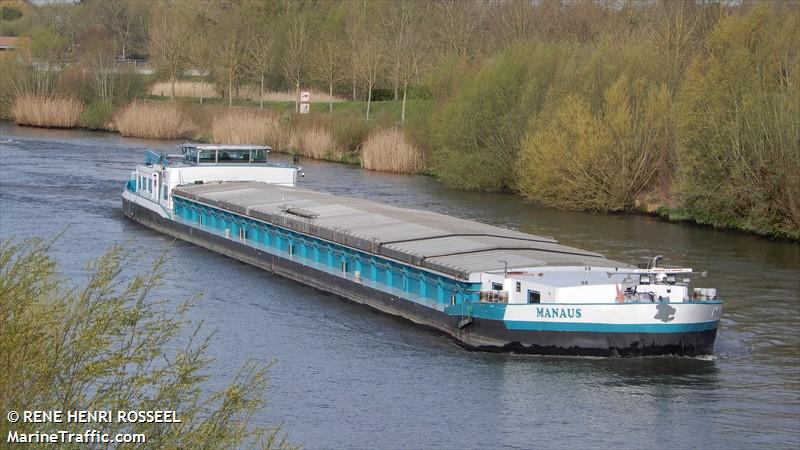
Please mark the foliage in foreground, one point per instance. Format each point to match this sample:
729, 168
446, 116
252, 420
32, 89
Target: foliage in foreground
107, 346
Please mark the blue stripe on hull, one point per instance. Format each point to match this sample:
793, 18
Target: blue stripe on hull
611, 328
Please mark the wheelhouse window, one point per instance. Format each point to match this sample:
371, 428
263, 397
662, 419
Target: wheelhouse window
534, 296
258, 156
208, 156
497, 287
234, 156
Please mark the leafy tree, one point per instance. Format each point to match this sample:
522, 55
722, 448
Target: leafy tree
108, 345
483, 125
739, 131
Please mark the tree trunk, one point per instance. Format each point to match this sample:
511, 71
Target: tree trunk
403, 109
330, 98
202, 85
261, 95
297, 96
230, 92
354, 89
369, 100
173, 88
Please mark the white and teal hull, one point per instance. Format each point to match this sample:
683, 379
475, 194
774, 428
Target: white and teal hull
624, 329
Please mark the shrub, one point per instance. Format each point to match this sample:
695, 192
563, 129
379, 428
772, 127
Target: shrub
257, 127
107, 343
98, 115
602, 161
387, 150
483, 125
739, 126
47, 110
162, 120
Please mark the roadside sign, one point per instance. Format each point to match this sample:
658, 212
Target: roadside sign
305, 97
305, 108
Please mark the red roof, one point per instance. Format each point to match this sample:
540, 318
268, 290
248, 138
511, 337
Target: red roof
12, 41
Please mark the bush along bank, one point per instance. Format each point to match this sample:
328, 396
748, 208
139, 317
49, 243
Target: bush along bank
604, 127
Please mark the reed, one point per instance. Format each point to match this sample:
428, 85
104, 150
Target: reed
161, 120
387, 150
47, 110
258, 127
315, 142
192, 89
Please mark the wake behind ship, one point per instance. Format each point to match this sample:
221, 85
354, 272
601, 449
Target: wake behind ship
488, 287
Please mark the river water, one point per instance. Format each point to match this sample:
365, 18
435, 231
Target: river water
347, 377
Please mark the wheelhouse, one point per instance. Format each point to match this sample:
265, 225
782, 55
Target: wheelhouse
194, 154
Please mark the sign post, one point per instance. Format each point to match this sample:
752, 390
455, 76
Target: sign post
305, 102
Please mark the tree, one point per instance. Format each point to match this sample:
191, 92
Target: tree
108, 345
125, 20
327, 63
458, 24
168, 46
262, 56
483, 125
296, 49
370, 61
397, 22
739, 124
201, 52
231, 48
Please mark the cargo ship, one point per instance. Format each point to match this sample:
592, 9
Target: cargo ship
487, 287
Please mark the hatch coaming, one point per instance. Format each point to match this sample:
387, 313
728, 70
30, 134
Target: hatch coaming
460, 248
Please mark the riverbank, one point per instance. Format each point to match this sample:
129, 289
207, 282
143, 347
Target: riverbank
324, 138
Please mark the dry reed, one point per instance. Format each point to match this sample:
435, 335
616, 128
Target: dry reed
47, 110
154, 120
193, 89
387, 150
315, 142
250, 127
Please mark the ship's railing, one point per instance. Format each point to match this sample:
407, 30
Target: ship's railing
494, 296
131, 185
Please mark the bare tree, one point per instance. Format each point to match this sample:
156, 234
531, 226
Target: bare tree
230, 53
516, 20
327, 63
459, 23
168, 43
296, 50
370, 62
396, 19
100, 61
262, 55
123, 20
676, 33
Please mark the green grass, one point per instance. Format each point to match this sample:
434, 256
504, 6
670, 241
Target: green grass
385, 110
